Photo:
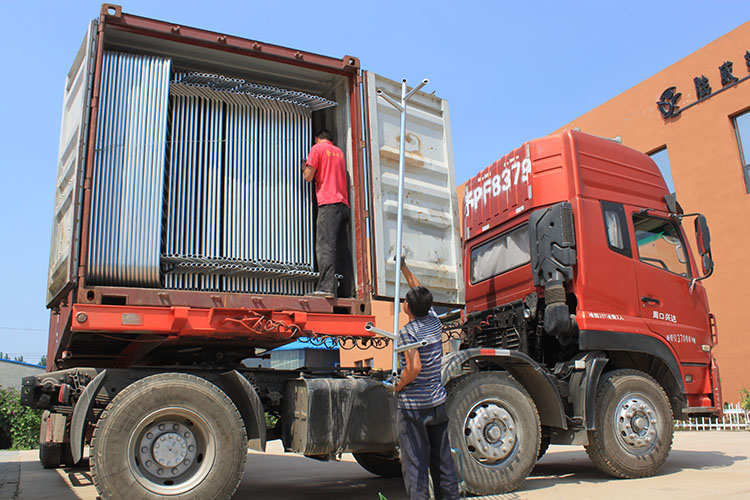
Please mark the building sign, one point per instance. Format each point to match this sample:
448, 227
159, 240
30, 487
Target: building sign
667, 103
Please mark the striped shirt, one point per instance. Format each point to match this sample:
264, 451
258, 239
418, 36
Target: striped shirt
426, 391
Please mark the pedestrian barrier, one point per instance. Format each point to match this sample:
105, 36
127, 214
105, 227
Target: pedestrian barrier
734, 419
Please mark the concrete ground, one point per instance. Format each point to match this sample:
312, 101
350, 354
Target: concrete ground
702, 465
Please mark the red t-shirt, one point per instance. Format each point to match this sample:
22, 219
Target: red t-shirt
330, 173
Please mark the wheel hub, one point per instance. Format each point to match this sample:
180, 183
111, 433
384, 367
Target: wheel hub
637, 423
490, 433
170, 449
167, 449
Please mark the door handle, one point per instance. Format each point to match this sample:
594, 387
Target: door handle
650, 300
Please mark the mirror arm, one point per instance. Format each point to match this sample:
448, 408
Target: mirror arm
695, 280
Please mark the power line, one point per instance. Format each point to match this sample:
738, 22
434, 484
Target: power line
23, 329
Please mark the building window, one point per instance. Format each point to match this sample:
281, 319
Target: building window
742, 129
370, 362
661, 158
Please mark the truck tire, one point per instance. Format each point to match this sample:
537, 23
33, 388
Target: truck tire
380, 464
634, 425
166, 436
495, 426
543, 447
50, 455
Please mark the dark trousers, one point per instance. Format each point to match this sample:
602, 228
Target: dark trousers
423, 440
332, 249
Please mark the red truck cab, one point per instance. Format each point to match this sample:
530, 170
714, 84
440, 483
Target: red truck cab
634, 271
585, 313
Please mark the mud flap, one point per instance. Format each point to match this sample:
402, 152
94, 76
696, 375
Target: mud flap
716, 388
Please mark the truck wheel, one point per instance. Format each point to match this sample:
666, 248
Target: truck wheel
169, 435
50, 455
634, 425
495, 425
543, 447
380, 464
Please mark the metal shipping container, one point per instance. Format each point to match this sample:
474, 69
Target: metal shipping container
180, 185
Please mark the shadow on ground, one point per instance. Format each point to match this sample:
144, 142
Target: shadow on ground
574, 467
311, 480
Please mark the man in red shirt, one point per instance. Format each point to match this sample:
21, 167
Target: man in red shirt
326, 166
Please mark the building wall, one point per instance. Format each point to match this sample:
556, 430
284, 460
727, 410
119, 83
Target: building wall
707, 172
293, 359
11, 373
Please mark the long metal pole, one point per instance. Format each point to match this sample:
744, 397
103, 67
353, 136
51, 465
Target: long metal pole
399, 215
399, 227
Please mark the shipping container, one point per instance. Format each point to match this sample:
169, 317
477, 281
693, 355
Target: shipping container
180, 185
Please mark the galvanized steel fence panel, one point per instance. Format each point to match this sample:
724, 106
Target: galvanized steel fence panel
128, 175
199, 176
239, 213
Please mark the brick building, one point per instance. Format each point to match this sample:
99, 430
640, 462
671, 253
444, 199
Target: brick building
693, 118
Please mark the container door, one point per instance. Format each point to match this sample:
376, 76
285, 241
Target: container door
431, 238
63, 261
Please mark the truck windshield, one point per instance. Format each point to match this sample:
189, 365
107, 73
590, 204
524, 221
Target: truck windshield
660, 245
500, 254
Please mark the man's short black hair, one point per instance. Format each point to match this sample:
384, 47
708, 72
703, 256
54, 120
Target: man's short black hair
420, 300
325, 135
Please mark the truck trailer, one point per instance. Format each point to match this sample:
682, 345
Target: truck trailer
182, 245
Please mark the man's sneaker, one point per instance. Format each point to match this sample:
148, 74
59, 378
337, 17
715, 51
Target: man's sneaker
323, 294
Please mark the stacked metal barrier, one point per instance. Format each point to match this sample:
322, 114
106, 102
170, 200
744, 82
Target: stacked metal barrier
128, 175
238, 212
199, 180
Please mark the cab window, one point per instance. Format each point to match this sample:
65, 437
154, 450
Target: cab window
660, 244
500, 254
615, 226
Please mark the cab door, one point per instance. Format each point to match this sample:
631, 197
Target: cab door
431, 230
669, 306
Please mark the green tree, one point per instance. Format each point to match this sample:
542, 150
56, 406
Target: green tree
4, 355
745, 398
18, 358
43, 361
19, 423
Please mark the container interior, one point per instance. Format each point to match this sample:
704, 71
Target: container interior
215, 201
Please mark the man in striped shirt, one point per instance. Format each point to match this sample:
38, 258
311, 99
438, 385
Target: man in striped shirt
422, 419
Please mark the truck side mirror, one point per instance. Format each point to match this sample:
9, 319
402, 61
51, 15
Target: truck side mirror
703, 237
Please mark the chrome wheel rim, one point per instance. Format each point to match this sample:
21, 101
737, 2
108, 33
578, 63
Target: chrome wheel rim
171, 451
636, 423
490, 432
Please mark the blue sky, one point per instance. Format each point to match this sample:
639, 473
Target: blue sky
511, 70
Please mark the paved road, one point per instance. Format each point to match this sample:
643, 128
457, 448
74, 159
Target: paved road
702, 465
